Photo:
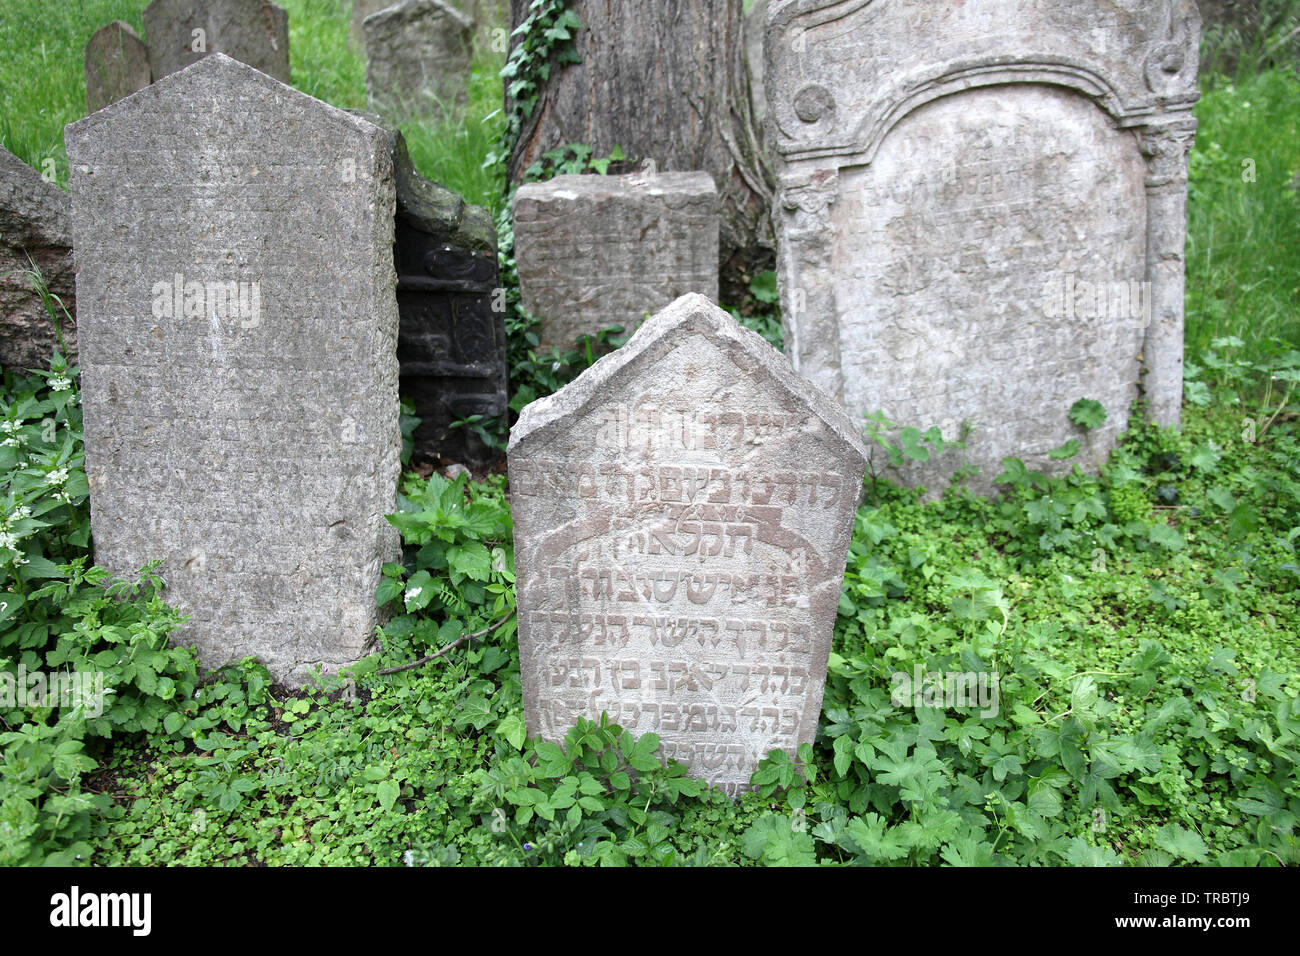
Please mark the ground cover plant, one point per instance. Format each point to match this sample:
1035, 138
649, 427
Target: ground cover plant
1140, 621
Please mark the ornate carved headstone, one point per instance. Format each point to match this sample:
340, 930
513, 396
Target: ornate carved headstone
981, 211
238, 319
418, 56
117, 64
452, 344
33, 230
598, 251
683, 511
255, 32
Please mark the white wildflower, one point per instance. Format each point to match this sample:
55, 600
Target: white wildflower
57, 477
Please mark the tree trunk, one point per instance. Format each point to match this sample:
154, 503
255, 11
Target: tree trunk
666, 81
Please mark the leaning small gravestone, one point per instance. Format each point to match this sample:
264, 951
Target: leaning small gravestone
255, 32
117, 65
683, 511
981, 212
598, 251
34, 230
418, 56
452, 344
238, 318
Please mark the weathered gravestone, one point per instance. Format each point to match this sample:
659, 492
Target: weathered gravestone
33, 230
598, 251
488, 16
238, 318
981, 212
452, 343
418, 57
682, 513
255, 32
117, 64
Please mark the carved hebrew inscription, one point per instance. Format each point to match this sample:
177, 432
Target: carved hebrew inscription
680, 542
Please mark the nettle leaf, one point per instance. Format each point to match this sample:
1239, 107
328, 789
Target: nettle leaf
1088, 413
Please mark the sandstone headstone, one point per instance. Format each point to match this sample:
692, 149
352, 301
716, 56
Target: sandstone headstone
683, 511
238, 318
255, 32
598, 251
418, 56
981, 212
452, 343
33, 230
117, 64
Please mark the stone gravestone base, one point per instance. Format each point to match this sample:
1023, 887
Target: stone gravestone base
598, 251
683, 512
239, 359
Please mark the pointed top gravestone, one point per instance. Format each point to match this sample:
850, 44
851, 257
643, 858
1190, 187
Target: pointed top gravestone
33, 230
981, 213
237, 304
255, 32
683, 511
117, 65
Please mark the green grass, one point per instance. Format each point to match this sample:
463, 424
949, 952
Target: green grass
1243, 238
43, 85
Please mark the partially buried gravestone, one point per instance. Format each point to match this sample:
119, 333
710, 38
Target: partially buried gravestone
452, 345
981, 212
255, 32
418, 57
600, 251
683, 512
238, 317
34, 231
117, 65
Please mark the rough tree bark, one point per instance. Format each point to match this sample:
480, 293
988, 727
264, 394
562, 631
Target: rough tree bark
665, 80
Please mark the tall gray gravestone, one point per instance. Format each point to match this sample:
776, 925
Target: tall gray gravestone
683, 511
34, 230
418, 56
982, 210
255, 32
238, 316
598, 251
117, 65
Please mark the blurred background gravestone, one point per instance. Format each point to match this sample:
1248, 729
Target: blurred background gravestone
982, 213
34, 230
418, 56
255, 32
239, 359
683, 511
117, 64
